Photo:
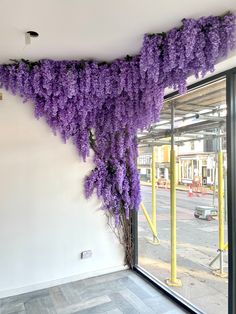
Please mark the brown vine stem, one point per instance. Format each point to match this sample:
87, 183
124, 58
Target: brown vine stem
123, 230
123, 234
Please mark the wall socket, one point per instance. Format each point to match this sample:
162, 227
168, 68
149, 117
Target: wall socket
86, 254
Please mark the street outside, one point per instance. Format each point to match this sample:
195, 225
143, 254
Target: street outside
197, 244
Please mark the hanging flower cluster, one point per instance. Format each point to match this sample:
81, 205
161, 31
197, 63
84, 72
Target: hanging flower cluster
167, 59
103, 105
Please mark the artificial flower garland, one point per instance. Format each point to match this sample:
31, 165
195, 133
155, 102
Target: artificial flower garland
103, 105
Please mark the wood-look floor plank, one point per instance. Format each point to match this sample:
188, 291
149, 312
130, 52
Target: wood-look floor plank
84, 305
116, 293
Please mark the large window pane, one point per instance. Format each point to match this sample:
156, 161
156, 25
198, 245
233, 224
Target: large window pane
201, 193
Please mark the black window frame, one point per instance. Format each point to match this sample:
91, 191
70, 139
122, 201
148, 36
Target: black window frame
230, 76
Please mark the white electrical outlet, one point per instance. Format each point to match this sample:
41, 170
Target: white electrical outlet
86, 254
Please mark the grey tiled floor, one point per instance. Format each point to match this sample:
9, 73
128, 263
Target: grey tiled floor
120, 292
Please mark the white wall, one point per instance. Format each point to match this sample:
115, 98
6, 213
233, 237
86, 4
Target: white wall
45, 221
104, 29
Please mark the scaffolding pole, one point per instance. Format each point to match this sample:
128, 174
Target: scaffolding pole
154, 209
221, 214
218, 255
221, 227
221, 200
154, 231
173, 281
152, 222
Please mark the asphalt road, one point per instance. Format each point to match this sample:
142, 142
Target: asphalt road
197, 243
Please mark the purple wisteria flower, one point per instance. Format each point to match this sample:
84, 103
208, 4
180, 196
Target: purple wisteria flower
103, 105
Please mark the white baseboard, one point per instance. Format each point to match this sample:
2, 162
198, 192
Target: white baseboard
60, 281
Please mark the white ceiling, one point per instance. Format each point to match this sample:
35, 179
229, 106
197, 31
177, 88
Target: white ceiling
102, 29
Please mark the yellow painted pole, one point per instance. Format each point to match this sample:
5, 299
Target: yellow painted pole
173, 281
222, 246
221, 201
154, 232
152, 222
154, 215
179, 179
173, 218
221, 217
